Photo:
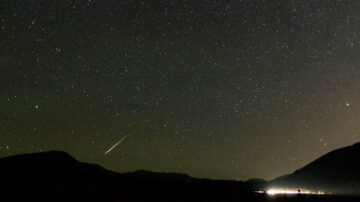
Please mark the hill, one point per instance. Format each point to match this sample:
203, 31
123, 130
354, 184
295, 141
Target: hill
336, 172
56, 176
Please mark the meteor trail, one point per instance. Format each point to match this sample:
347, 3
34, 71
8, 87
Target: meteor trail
116, 144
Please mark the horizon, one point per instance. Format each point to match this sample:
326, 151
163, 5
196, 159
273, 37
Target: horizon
276, 191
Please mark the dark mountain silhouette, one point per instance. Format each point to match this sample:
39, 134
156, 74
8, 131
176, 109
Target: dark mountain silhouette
336, 172
256, 181
56, 176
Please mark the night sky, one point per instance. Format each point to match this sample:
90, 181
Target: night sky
213, 88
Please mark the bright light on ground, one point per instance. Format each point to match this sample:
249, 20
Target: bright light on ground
283, 191
289, 191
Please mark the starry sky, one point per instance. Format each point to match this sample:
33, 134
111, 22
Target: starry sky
213, 88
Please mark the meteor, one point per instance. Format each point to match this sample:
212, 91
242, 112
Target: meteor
116, 144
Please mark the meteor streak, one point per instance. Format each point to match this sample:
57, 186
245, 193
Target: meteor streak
116, 144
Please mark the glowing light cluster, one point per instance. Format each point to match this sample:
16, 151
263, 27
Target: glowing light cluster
289, 191
285, 191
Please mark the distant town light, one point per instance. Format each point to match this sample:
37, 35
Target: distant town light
289, 191
285, 191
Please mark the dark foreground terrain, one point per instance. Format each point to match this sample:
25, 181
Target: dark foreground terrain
56, 176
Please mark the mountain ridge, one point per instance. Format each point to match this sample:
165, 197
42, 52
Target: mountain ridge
336, 172
45, 175
48, 175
